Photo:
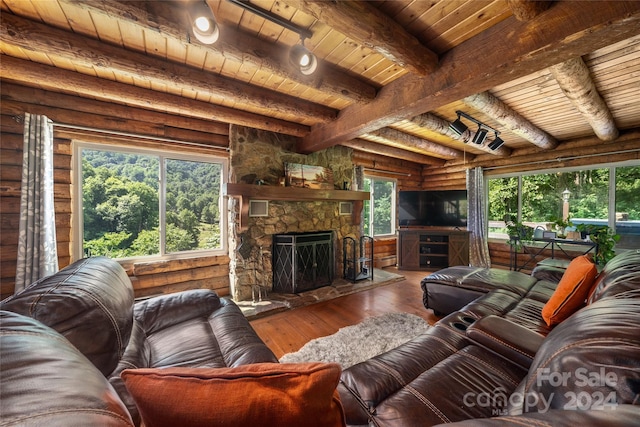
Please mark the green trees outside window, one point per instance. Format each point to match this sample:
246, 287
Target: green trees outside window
139, 204
537, 199
379, 217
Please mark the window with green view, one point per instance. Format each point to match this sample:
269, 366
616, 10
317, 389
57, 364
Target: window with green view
602, 196
380, 211
137, 203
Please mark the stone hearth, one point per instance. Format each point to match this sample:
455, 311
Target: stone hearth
339, 287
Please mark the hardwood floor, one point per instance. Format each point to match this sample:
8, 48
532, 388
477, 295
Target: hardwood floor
286, 332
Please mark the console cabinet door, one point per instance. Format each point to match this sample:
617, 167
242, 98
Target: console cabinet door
409, 250
458, 249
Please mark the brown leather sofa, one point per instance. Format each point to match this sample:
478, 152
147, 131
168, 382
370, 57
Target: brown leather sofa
66, 338
494, 356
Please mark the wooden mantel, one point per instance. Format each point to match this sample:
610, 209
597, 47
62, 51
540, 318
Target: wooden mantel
247, 192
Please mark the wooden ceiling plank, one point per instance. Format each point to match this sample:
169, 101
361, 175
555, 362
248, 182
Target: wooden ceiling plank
53, 13
378, 32
524, 49
575, 81
22, 72
38, 37
479, 17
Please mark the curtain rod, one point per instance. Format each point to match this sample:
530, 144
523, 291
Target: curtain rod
137, 136
560, 159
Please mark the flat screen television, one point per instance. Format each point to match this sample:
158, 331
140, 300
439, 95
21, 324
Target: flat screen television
446, 208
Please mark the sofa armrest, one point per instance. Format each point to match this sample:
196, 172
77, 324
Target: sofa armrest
506, 338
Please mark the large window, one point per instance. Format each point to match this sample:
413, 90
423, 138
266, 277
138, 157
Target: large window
141, 203
380, 211
605, 196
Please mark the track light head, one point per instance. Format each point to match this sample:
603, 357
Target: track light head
203, 23
304, 61
496, 143
458, 127
480, 136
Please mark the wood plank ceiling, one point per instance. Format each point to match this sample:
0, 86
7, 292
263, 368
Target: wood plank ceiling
392, 73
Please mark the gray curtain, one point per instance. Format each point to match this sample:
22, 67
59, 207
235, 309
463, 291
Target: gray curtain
478, 245
37, 253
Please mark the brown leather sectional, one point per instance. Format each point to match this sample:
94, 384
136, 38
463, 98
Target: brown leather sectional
494, 356
66, 338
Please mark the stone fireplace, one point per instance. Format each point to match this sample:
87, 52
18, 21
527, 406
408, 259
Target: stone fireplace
258, 158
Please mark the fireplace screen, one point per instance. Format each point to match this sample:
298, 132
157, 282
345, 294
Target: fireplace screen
302, 261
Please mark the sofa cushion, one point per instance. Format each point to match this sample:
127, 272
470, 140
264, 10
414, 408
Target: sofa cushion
90, 302
572, 291
265, 394
46, 381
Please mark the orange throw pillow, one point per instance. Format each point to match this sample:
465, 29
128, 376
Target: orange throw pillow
262, 394
571, 292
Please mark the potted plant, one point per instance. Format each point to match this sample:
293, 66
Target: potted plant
604, 238
518, 232
561, 226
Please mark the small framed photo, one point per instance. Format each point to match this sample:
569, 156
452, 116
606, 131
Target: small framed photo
549, 235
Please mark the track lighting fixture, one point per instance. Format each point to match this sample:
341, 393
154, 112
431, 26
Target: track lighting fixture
496, 143
299, 56
304, 61
457, 126
480, 136
203, 23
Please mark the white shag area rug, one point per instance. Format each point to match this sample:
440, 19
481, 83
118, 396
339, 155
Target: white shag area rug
357, 343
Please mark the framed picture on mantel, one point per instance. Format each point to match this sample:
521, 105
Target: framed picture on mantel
308, 176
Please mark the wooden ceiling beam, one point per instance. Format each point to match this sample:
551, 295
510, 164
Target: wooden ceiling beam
509, 118
441, 126
233, 46
57, 80
46, 98
397, 138
87, 52
377, 32
575, 81
526, 10
509, 50
393, 152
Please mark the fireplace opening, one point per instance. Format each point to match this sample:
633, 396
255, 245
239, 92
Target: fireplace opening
302, 261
